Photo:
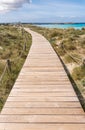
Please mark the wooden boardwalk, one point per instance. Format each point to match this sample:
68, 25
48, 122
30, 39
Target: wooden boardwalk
42, 97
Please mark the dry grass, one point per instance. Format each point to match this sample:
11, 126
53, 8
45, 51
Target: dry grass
11, 47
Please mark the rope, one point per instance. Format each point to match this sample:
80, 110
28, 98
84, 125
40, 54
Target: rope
76, 59
7, 66
24, 49
79, 62
4, 71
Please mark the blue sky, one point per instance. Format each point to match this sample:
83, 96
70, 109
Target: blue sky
42, 10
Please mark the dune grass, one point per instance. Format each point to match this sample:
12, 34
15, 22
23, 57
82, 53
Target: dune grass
12, 43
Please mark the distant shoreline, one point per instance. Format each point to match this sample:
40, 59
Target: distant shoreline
44, 23
51, 25
58, 23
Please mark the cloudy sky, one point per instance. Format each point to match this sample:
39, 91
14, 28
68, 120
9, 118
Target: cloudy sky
42, 10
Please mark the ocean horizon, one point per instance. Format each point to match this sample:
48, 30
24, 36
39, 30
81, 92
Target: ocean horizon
61, 25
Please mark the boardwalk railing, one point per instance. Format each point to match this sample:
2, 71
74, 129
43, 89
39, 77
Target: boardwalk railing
8, 65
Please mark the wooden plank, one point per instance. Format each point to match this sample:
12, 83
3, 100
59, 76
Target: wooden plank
26, 126
42, 111
43, 78
42, 83
44, 73
42, 99
42, 90
41, 64
43, 69
51, 94
56, 86
42, 119
26, 104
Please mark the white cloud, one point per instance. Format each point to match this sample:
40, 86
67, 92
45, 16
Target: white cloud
7, 5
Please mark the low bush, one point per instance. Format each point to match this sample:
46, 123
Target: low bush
79, 72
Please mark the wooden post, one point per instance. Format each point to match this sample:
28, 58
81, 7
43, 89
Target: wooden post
9, 65
22, 32
24, 47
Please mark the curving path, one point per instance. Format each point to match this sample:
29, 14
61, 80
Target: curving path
42, 97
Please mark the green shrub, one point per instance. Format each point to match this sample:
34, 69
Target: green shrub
83, 81
79, 72
82, 42
68, 59
69, 45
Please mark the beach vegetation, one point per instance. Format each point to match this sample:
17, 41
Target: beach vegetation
12, 43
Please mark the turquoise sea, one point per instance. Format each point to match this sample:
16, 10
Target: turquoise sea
63, 25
